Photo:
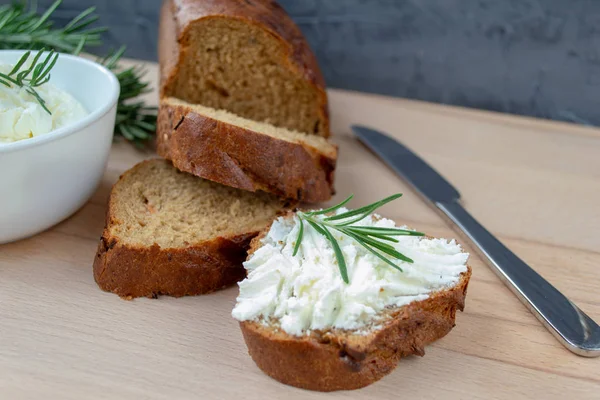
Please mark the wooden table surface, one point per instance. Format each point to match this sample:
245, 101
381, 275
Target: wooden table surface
535, 184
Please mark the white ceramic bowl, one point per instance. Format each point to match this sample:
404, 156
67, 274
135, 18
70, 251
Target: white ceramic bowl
45, 179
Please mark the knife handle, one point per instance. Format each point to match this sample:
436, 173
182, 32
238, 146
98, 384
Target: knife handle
571, 326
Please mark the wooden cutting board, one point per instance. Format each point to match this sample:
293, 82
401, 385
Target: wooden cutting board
535, 184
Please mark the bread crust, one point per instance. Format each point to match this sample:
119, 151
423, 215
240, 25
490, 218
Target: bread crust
241, 158
177, 16
340, 360
150, 272
140, 271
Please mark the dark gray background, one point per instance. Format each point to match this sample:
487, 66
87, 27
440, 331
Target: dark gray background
539, 58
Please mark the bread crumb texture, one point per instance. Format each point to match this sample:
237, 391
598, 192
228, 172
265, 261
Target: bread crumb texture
231, 64
157, 204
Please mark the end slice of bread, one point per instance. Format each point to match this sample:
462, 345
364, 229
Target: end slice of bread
336, 359
169, 233
245, 154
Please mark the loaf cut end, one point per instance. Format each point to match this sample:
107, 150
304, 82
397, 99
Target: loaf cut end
233, 64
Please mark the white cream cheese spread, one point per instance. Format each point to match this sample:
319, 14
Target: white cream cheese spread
22, 116
306, 291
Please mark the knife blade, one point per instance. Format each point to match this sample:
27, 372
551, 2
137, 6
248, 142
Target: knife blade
569, 324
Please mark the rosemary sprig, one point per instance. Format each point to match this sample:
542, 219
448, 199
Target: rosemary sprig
372, 238
135, 121
22, 27
34, 76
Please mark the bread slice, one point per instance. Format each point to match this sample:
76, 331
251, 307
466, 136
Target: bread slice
338, 359
237, 152
247, 57
170, 233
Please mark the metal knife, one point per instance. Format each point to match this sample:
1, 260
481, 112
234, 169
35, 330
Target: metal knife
571, 326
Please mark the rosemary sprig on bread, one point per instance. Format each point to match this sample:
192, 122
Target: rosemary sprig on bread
371, 238
305, 326
32, 76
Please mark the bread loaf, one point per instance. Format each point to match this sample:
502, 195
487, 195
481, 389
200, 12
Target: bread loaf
247, 57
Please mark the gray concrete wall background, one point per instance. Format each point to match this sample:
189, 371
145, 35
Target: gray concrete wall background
539, 58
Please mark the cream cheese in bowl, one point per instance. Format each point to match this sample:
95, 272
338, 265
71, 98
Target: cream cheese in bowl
52, 162
23, 117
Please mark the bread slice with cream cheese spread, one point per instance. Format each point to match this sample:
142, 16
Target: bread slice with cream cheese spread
305, 327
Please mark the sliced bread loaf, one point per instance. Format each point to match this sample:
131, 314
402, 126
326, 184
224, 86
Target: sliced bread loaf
237, 152
168, 232
305, 327
247, 57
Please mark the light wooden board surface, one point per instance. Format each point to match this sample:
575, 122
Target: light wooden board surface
535, 184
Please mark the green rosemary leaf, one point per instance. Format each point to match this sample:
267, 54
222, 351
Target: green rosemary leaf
299, 238
382, 237
23, 74
9, 79
55, 43
375, 240
318, 228
146, 125
79, 22
336, 250
6, 14
386, 231
359, 213
36, 72
366, 210
333, 208
361, 216
92, 34
20, 63
45, 80
79, 47
384, 259
370, 241
130, 112
20, 79
47, 67
35, 94
46, 15
386, 248
110, 61
138, 133
376, 253
124, 130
